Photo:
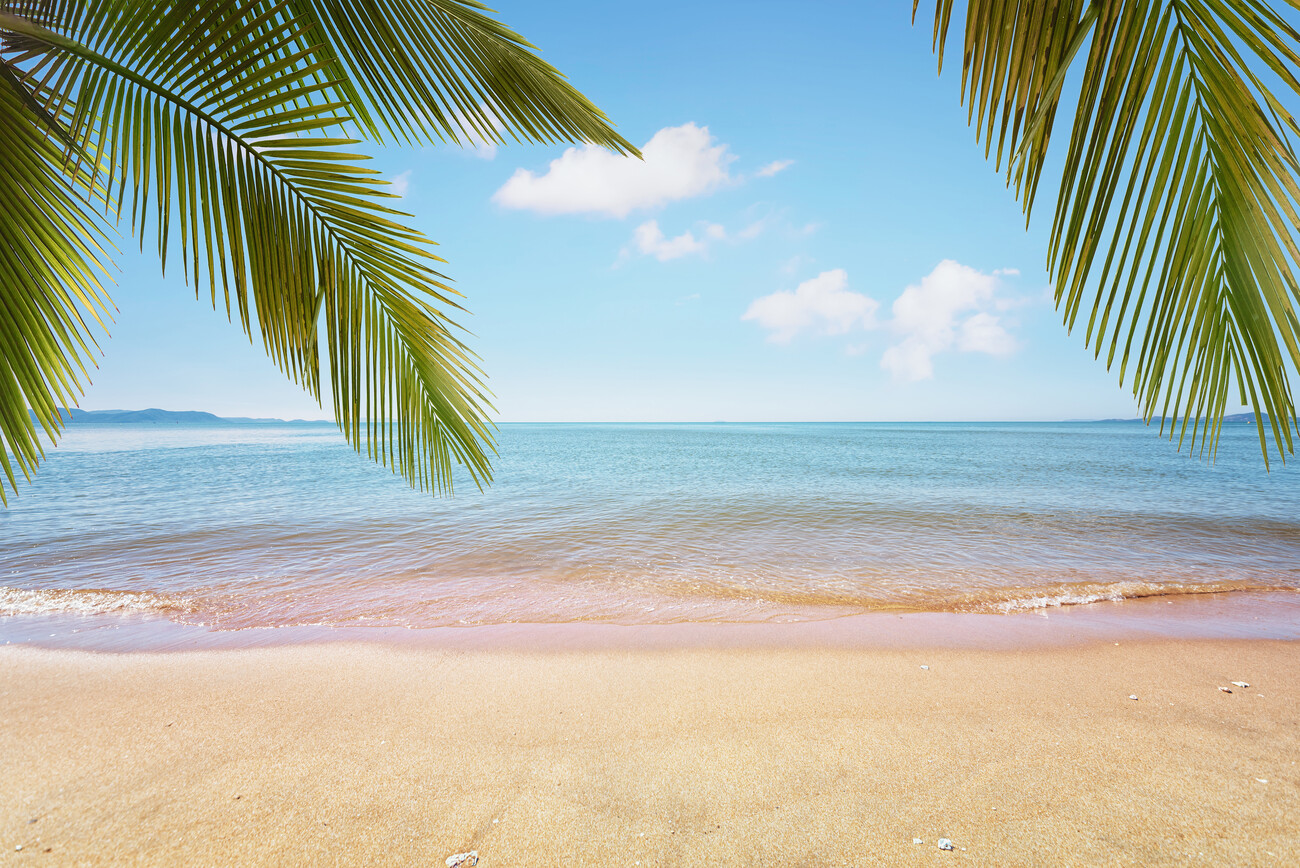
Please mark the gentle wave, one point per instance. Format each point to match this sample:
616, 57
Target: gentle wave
225, 613
282, 526
1031, 599
89, 601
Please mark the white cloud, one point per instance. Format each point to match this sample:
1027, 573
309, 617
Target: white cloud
948, 309
982, 333
678, 163
651, 241
773, 167
400, 184
823, 305
953, 308
648, 239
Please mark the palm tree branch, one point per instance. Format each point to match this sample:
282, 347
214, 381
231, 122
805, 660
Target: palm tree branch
49, 248
425, 70
302, 248
1179, 192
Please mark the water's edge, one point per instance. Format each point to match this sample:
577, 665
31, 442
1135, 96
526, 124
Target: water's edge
1234, 617
282, 532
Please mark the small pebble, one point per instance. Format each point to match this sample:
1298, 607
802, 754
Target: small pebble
1132, 697
463, 860
1262, 780
917, 841
1225, 689
925, 667
1240, 684
19, 847
945, 844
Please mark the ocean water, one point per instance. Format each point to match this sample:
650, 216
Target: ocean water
283, 525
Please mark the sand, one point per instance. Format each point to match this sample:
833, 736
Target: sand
360, 754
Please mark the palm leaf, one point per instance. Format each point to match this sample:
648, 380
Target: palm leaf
49, 249
422, 69
227, 131
291, 229
1174, 220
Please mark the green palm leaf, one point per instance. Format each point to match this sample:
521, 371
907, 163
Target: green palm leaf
446, 68
49, 249
230, 127
1175, 217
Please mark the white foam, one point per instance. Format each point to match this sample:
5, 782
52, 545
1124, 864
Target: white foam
1118, 592
28, 601
1025, 604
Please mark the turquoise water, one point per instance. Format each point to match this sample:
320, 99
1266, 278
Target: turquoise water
277, 525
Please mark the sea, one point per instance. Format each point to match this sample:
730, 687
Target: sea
260, 527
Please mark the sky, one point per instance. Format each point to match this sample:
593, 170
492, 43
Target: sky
813, 235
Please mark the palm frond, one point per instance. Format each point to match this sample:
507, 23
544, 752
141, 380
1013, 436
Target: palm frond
49, 262
1175, 218
429, 69
218, 129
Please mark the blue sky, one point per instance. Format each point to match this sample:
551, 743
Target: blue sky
814, 235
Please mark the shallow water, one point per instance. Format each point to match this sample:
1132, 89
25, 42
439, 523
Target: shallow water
266, 526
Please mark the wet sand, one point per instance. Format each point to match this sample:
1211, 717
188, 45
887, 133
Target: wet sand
726, 754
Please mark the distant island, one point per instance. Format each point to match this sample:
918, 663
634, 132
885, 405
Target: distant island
155, 416
1232, 417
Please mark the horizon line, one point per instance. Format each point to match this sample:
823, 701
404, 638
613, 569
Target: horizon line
329, 420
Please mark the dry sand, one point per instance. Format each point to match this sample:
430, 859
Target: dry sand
373, 755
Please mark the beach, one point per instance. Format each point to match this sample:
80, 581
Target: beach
653, 644
711, 751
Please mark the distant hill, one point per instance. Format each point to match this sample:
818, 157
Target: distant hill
248, 420
1233, 417
154, 416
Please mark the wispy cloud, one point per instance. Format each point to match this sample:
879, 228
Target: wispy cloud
774, 167
678, 163
753, 230
650, 240
795, 263
822, 305
400, 184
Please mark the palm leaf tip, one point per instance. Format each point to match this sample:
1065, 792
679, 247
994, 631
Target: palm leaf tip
1173, 238
429, 70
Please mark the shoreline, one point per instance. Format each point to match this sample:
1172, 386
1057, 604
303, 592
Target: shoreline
373, 754
1247, 616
